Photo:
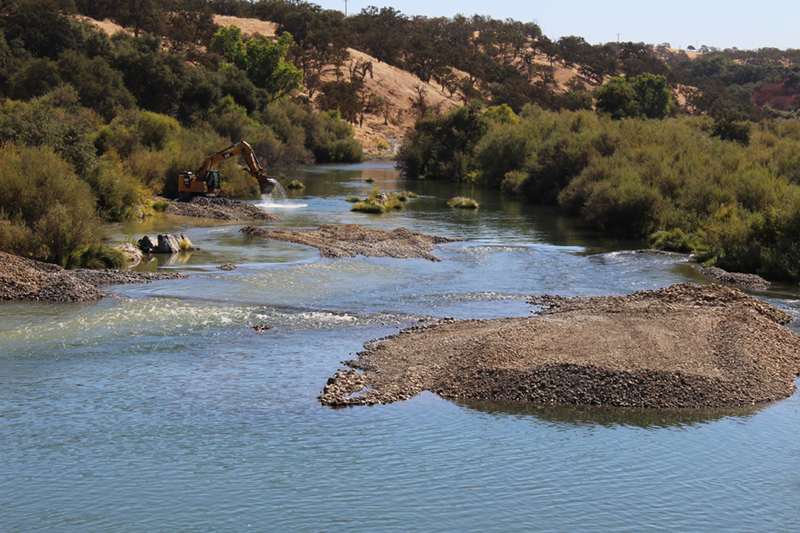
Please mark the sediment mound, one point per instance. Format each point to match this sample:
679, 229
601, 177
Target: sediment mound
681, 346
25, 279
351, 240
220, 209
749, 281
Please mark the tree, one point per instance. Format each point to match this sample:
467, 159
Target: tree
139, 15
728, 126
617, 98
267, 68
652, 95
381, 32
228, 43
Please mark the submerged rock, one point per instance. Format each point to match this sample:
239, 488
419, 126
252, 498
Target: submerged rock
681, 346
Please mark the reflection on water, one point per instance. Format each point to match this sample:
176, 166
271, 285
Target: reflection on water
579, 415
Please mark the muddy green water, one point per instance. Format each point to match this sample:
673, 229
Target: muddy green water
160, 409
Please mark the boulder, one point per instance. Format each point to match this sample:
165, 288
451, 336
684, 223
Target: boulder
187, 244
168, 244
132, 254
147, 245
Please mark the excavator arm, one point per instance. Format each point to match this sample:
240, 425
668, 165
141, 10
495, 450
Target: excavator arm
205, 181
242, 148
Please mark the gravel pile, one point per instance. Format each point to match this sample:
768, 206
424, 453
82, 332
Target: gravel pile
351, 240
25, 279
749, 281
678, 347
220, 209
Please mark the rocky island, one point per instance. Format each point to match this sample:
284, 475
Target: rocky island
351, 240
683, 346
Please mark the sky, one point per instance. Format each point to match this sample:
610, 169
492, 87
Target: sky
723, 24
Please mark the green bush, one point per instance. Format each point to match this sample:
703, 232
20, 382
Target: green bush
160, 205
115, 190
674, 240
97, 256
295, 185
156, 129
45, 203
344, 151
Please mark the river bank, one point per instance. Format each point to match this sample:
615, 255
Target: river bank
25, 279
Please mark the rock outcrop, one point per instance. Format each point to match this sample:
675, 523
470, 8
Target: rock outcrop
165, 244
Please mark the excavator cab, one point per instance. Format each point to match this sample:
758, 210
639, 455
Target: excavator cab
212, 180
191, 185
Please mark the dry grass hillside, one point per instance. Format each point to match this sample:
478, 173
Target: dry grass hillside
398, 87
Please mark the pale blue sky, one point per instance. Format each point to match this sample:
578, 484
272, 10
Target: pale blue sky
724, 24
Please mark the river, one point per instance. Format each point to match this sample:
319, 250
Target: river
161, 409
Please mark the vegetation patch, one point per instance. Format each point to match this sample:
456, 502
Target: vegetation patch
295, 185
379, 202
462, 202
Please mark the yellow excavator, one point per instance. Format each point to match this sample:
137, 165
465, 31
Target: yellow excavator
205, 181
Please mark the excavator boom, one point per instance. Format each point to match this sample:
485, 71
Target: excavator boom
205, 181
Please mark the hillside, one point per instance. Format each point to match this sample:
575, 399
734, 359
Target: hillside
399, 87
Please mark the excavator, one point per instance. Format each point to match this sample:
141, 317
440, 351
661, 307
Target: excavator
205, 181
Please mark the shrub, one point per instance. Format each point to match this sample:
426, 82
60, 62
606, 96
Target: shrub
160, 205
383, 146
344, 151
462, 202
512, 182
97, 256
115, 190
674, 240
45, 203
156, 129
295, 185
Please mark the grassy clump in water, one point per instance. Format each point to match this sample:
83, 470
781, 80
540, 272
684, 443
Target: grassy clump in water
295, 185
369, 180
353, 199
369, 207
462, 202
405, 196
379, 202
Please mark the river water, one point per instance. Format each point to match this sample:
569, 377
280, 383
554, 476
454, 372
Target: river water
161, 409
